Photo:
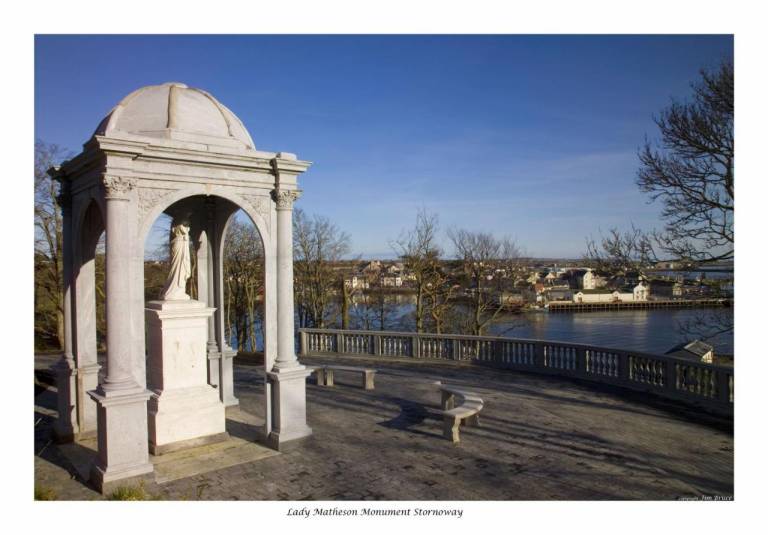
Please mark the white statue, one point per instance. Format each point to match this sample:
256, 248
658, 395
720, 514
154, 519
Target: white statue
181, 263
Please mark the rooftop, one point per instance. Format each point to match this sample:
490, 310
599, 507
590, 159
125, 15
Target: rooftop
696, 349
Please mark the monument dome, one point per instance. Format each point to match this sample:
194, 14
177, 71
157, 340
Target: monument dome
175, 111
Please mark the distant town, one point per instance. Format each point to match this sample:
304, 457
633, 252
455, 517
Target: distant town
537, 284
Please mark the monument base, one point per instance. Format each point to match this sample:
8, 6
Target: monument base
185, 418
184, 410
122, 435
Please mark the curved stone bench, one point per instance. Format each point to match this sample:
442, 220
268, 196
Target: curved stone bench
459, 407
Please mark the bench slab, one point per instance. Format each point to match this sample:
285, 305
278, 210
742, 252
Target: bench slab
325, 375
459, 407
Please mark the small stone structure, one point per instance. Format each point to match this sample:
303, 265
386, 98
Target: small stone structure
466, 412
170, 148
325, 374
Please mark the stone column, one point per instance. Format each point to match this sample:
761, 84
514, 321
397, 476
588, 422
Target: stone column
66, 426
227, 354
84, 313
212, 348
288, 377
122, 402
204, 295
286, 354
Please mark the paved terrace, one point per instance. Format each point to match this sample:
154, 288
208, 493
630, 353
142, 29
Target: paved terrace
541, 438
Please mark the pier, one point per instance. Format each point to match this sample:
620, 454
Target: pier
570, 306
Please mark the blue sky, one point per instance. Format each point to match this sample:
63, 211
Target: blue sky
534, 137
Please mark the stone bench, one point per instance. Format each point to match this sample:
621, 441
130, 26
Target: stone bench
325, 374
459, 407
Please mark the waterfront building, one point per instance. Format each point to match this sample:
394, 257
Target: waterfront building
391, 281
558, 293
641, 292
356, 282
666, 288
638, 293
511, 298
595, 296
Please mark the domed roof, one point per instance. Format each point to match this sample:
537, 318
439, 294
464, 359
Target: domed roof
175, 111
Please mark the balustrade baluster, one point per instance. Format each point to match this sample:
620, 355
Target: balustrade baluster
688, 380
730, 388
339, 339
723, 387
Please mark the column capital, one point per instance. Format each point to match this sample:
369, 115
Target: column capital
117, 187
284, 198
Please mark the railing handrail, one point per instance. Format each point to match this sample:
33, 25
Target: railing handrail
708, 385
576, 345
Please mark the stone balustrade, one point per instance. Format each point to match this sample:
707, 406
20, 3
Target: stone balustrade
702, 385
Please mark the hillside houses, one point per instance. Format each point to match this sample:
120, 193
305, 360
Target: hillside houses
541, 285
378, 273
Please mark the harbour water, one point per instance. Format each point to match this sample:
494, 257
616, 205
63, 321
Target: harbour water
648, 331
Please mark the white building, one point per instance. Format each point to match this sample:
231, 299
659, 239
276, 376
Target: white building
596, 296
356, 282
641, 292
592, 281
391, 281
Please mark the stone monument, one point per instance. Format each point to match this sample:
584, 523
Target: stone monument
160, 148
184, 409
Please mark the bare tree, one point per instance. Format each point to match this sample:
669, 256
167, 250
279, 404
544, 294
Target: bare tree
418, 250
244, 273
440, 293
691, 171
485, 260
620, 252
381, 305
346, 290
318, 246
49, 288
363, 314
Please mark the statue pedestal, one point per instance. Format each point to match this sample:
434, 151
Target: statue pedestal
184, 410
289, 407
